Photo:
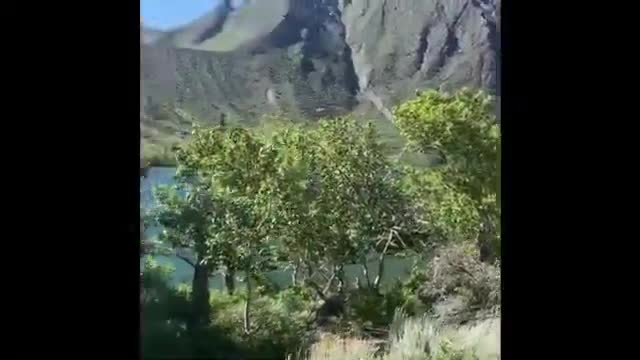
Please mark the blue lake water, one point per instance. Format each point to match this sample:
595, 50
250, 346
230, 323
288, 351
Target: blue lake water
395, 268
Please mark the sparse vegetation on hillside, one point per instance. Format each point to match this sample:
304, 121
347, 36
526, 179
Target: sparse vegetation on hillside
316, 198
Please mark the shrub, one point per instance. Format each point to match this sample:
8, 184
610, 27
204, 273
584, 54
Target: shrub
459, 287
371, 313
279, 322
160, 301
163, 312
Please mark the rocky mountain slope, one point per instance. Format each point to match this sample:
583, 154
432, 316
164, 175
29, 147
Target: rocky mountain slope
313, 58
399, 46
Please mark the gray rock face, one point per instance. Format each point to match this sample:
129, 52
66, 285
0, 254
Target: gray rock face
399, 46
301, 55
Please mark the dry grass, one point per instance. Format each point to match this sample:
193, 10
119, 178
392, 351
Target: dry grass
418, 339
483, 338
422, 338
331, 347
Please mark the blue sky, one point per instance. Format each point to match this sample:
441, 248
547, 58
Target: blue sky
165, 14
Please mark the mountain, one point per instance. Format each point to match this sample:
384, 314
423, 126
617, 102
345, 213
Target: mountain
226, 27
150, 36
313, 58
400, 46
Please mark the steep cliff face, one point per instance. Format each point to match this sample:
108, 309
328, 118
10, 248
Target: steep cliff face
399, 46
315, 58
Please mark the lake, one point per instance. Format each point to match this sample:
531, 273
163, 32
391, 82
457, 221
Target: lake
395, 268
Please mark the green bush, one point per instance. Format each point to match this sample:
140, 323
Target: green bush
279, 322
164, 314
160, 301
371, 313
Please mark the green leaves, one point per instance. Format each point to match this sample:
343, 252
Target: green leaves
183, 217
463, 130
444, 211
237, 171
328, 195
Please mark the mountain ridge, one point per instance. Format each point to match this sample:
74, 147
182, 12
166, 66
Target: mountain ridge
318, 58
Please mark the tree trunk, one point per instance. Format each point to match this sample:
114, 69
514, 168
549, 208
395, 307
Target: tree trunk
486, 243
341, 279
201, 309
365, 272
381, 258
230, 281
378, 279
294, 276
247, 305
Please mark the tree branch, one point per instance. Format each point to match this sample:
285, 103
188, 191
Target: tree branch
366, 272
185, 259
376, 282
395, 232
312, 283
294, 276
329, 283
341, 280
247, 304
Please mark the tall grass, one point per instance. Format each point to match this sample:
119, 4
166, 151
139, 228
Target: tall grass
423, 338
418, 338
331, 347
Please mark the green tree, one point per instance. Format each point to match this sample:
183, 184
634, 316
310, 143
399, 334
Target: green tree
359, 204
462, 129
237, 170
337, 199
183, 212
294, 198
